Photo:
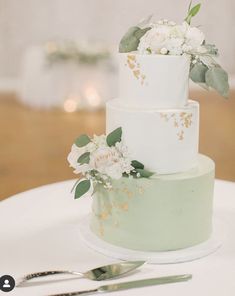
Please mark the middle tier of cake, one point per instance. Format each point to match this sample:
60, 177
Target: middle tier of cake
164, 140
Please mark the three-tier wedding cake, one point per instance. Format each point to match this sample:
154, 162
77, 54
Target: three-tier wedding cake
172, 209
153, 191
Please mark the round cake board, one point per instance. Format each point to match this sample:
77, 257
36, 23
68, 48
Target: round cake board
170, 257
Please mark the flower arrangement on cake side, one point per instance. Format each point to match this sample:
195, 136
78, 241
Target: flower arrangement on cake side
101, 159
74, 52
168, 38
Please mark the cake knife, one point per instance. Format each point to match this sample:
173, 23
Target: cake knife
97, 274
131, 285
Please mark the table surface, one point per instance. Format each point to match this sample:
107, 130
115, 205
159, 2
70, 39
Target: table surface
35, 143
39, 231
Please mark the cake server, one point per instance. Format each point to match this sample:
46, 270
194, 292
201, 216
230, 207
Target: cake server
96, 274
131, 285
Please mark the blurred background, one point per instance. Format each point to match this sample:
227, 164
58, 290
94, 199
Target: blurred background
58, 66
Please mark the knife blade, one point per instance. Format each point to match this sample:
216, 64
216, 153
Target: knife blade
132, 284
112, 270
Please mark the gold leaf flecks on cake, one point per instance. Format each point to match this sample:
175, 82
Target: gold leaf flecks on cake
131, 66
135, 68
127, 192
131, 57
124, 206
104, 215
130, 195
176, 124
140, 190
181, 121
186, 119
118, 201
136, 73
180, 135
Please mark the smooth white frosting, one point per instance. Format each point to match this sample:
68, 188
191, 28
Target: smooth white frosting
153, 81
164, 140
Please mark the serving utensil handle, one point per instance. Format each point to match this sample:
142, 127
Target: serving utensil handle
77, 293
34, 275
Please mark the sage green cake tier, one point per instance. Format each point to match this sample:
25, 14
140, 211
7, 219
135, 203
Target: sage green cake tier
163, 213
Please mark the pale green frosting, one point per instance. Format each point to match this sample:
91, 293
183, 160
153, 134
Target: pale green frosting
165, 212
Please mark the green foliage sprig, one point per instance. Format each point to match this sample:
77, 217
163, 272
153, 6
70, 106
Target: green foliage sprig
131, 39
192, 12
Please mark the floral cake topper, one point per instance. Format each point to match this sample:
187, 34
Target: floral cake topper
168, 38
101, 159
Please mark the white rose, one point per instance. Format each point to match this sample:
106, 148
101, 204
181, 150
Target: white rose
104, 159
194, 37
174, 46
73, 156
183, 28
177, 31
154, 39
110, 161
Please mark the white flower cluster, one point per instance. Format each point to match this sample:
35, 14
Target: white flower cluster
166, 37
105, 163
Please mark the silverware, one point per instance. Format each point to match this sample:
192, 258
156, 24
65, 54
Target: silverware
133, 284
96, 274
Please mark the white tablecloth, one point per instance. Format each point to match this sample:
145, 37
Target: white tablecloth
39, 231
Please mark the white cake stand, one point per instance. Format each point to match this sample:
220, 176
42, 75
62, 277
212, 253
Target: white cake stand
183, 255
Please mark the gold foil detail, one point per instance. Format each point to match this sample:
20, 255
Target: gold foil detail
118, 201
180, 135
181, 121
135, 68
124, 206
104, 215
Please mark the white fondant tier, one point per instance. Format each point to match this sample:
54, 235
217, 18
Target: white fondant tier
164, 140
153, 81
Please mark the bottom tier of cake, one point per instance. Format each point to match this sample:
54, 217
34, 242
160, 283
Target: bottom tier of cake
163, 213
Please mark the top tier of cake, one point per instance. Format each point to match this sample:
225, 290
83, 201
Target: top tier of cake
153, 81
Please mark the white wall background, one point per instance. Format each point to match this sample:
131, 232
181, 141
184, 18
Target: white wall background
28, 22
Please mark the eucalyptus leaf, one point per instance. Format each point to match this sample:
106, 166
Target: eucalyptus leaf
82, 188
208, 61
137, 165
144, 22
114, 137
140, 33
198, 73
129, 42
131, 39
84, 158
144, 173
82, 141
211, 49
217, 78
192, 12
